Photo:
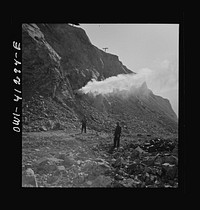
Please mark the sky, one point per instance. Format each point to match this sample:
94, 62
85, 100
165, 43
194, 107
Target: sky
152, 47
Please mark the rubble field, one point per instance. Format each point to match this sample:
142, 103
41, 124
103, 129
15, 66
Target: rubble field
67, 158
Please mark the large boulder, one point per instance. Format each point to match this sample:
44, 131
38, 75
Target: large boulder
175, 151
104, 164
67, 161
52, 179
57, 126
149, 161
140, 150
29, 179
171, 159
116, 155
169, 171
134, 154
46, 165
159, 160
134, 168
128, 182
118, 162
43, 128
116, 184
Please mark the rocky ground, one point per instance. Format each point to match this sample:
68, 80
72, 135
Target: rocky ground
67, 158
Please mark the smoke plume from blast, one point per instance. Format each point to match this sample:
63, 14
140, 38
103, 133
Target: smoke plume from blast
162, 80
121, 82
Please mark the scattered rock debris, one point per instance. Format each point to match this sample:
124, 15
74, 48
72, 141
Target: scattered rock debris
71, 162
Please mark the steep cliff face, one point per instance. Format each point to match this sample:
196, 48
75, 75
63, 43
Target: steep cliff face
63, 54
81, 61
59, 59
42, 71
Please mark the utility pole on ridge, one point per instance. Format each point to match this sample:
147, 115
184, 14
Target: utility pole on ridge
105, 48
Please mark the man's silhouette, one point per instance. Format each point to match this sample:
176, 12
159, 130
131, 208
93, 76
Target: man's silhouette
83, 121
117, 134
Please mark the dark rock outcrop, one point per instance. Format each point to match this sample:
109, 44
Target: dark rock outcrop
81, 61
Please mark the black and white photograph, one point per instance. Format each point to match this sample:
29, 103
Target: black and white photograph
100, 105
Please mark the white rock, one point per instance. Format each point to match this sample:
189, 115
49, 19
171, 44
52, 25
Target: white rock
37, 150
89, 182
29, 179
167, 164
79, 162
140, 150
61, 168
29, 172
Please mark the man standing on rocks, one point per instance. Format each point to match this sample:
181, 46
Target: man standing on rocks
83, 121
117, 134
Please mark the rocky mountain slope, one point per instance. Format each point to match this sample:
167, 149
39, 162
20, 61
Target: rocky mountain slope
63, 54
58, 60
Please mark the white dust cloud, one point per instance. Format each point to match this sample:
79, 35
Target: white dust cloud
120, 82
162, 81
